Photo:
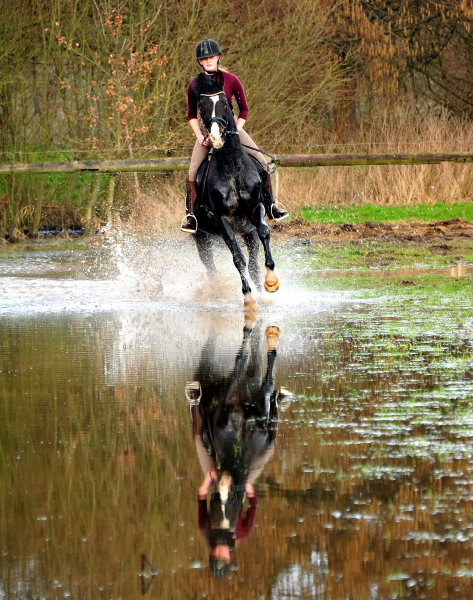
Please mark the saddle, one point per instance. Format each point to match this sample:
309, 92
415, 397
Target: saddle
201, 178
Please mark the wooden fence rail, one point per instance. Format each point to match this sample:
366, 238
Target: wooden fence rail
283, 160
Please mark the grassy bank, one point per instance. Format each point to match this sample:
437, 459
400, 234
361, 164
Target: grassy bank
377, 214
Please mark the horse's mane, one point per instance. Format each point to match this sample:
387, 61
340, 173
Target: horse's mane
205, 84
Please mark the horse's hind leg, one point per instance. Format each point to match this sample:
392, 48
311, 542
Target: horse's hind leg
239, 261
271, 282
252, 243
204, 248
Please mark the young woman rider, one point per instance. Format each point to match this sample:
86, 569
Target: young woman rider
208, 55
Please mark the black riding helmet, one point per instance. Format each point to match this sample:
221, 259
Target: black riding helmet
207, 49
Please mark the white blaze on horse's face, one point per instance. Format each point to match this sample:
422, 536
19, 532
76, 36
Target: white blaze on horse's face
215, 129
224, 487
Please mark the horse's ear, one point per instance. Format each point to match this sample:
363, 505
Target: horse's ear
201, 80
220, 78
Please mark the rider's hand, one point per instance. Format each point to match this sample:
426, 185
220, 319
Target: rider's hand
203, 140
210, 476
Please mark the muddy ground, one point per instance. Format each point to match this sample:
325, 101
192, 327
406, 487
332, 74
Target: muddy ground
417, 232
442, 236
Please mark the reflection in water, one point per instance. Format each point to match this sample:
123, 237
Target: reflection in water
369, 492
234, 424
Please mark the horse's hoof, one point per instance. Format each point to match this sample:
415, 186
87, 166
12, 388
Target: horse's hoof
250, 304
272, 337
271, 283
271, 288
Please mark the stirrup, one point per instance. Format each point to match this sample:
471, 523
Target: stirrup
283, 208
193, 392
186, 229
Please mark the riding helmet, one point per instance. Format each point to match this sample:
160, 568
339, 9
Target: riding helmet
207, 49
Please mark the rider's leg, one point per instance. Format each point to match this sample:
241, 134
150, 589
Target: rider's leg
272, 211
198, 154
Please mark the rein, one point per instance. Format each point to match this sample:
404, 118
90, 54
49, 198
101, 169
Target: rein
271, 156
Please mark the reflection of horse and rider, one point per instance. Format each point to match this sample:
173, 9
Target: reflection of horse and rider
234, 424
228, 188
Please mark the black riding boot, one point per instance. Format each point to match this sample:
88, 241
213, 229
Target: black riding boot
189, 224
272, 210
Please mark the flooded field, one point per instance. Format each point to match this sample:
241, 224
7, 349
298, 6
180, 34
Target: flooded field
338, 424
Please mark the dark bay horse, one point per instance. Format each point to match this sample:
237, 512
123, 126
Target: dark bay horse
230, 191
234, 425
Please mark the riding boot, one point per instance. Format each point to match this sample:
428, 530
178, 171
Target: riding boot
272, 210
189, 224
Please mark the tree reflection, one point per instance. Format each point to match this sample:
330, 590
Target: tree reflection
234, 421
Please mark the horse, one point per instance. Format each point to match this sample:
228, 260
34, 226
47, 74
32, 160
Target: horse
234, 423
230, 193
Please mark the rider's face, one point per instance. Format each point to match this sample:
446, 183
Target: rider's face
210, 63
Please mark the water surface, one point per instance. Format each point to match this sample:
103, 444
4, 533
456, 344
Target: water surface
358, 441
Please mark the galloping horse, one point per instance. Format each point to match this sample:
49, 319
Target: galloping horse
234, 426
230, 191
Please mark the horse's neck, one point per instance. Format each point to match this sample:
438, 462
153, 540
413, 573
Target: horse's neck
232, 150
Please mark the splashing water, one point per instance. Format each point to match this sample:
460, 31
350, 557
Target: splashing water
150, 270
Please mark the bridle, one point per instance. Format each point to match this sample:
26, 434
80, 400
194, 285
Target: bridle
218, 120
224, 124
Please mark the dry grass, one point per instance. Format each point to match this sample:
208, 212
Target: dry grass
396, 185
158, 205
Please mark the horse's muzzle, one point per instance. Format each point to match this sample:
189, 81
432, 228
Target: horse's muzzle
216, 130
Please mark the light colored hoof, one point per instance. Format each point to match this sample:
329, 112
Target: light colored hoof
250, 304
272, 337
271, 287
271, 283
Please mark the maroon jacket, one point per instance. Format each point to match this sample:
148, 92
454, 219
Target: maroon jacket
232, 88
244, 523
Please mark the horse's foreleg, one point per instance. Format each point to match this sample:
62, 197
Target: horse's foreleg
239, 261
204, 248
252, 243
271, 282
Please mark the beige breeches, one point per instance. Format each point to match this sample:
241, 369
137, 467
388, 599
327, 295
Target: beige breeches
200, 152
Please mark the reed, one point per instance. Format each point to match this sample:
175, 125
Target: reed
406, 131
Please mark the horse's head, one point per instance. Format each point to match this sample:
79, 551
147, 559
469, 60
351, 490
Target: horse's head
214, 109
225, 503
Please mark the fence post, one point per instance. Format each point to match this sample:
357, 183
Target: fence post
110, 194
275, 178
93, 196
275, 182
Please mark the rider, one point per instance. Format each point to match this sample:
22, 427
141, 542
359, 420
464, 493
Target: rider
208, 55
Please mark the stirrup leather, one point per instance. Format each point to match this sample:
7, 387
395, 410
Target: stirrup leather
184, 222
283, 208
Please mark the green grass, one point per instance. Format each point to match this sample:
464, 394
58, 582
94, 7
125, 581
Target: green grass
363, 256
432, 289
368, 212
